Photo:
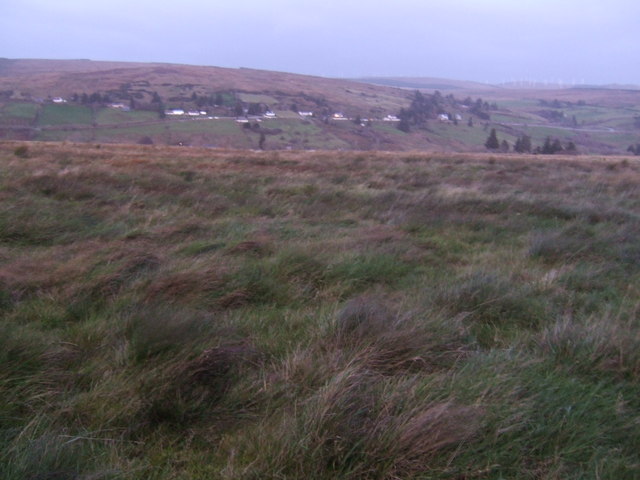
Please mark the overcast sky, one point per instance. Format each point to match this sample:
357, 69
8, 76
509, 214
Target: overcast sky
590, 41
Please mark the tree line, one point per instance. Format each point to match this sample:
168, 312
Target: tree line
424, 107
523, 144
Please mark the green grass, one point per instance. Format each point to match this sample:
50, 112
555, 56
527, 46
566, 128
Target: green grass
65, 114
20, 112
194, 313
301, 135
107, 116
209, 132
257, 98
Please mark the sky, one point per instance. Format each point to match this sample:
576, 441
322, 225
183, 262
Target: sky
493, 41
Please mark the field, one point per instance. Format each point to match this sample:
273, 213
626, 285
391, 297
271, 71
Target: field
191, 313
18, 113
598, 121
110, 116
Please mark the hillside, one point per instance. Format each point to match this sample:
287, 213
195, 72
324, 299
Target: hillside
115, 102
426, 83
189, 313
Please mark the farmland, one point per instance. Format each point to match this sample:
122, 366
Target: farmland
181, 312
126, 103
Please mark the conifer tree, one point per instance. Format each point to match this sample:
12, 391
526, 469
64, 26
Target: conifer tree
492, 142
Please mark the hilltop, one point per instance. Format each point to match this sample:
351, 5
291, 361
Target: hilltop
119, 102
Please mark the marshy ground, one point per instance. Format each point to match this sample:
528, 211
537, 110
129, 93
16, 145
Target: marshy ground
181, 313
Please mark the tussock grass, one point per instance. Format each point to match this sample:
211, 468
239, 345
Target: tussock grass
192, 313
602, 345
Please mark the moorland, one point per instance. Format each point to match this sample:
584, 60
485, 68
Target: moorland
193, 313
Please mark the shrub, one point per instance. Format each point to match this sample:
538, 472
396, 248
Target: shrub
21, 152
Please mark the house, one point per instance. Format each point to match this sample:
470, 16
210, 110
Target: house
443, 117
391, 118
269, 114
305, 114
58, 100
120, 106
338, 116
175, 111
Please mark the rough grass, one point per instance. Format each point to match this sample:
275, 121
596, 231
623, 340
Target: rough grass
189, 313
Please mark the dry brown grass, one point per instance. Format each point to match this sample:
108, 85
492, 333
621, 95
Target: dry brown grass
443, 426
186, 287
318, 315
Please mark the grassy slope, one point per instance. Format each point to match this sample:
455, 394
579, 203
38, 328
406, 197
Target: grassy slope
185, 313
63, 78
519, 112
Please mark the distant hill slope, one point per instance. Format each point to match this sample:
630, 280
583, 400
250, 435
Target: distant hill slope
65, 77
122, 102
426, 83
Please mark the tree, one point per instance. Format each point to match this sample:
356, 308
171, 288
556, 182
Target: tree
504, 146
556, 146
550, 147
523, 144
403, 125
95, 97
492, 142
635, 149
470, 122
255, 109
